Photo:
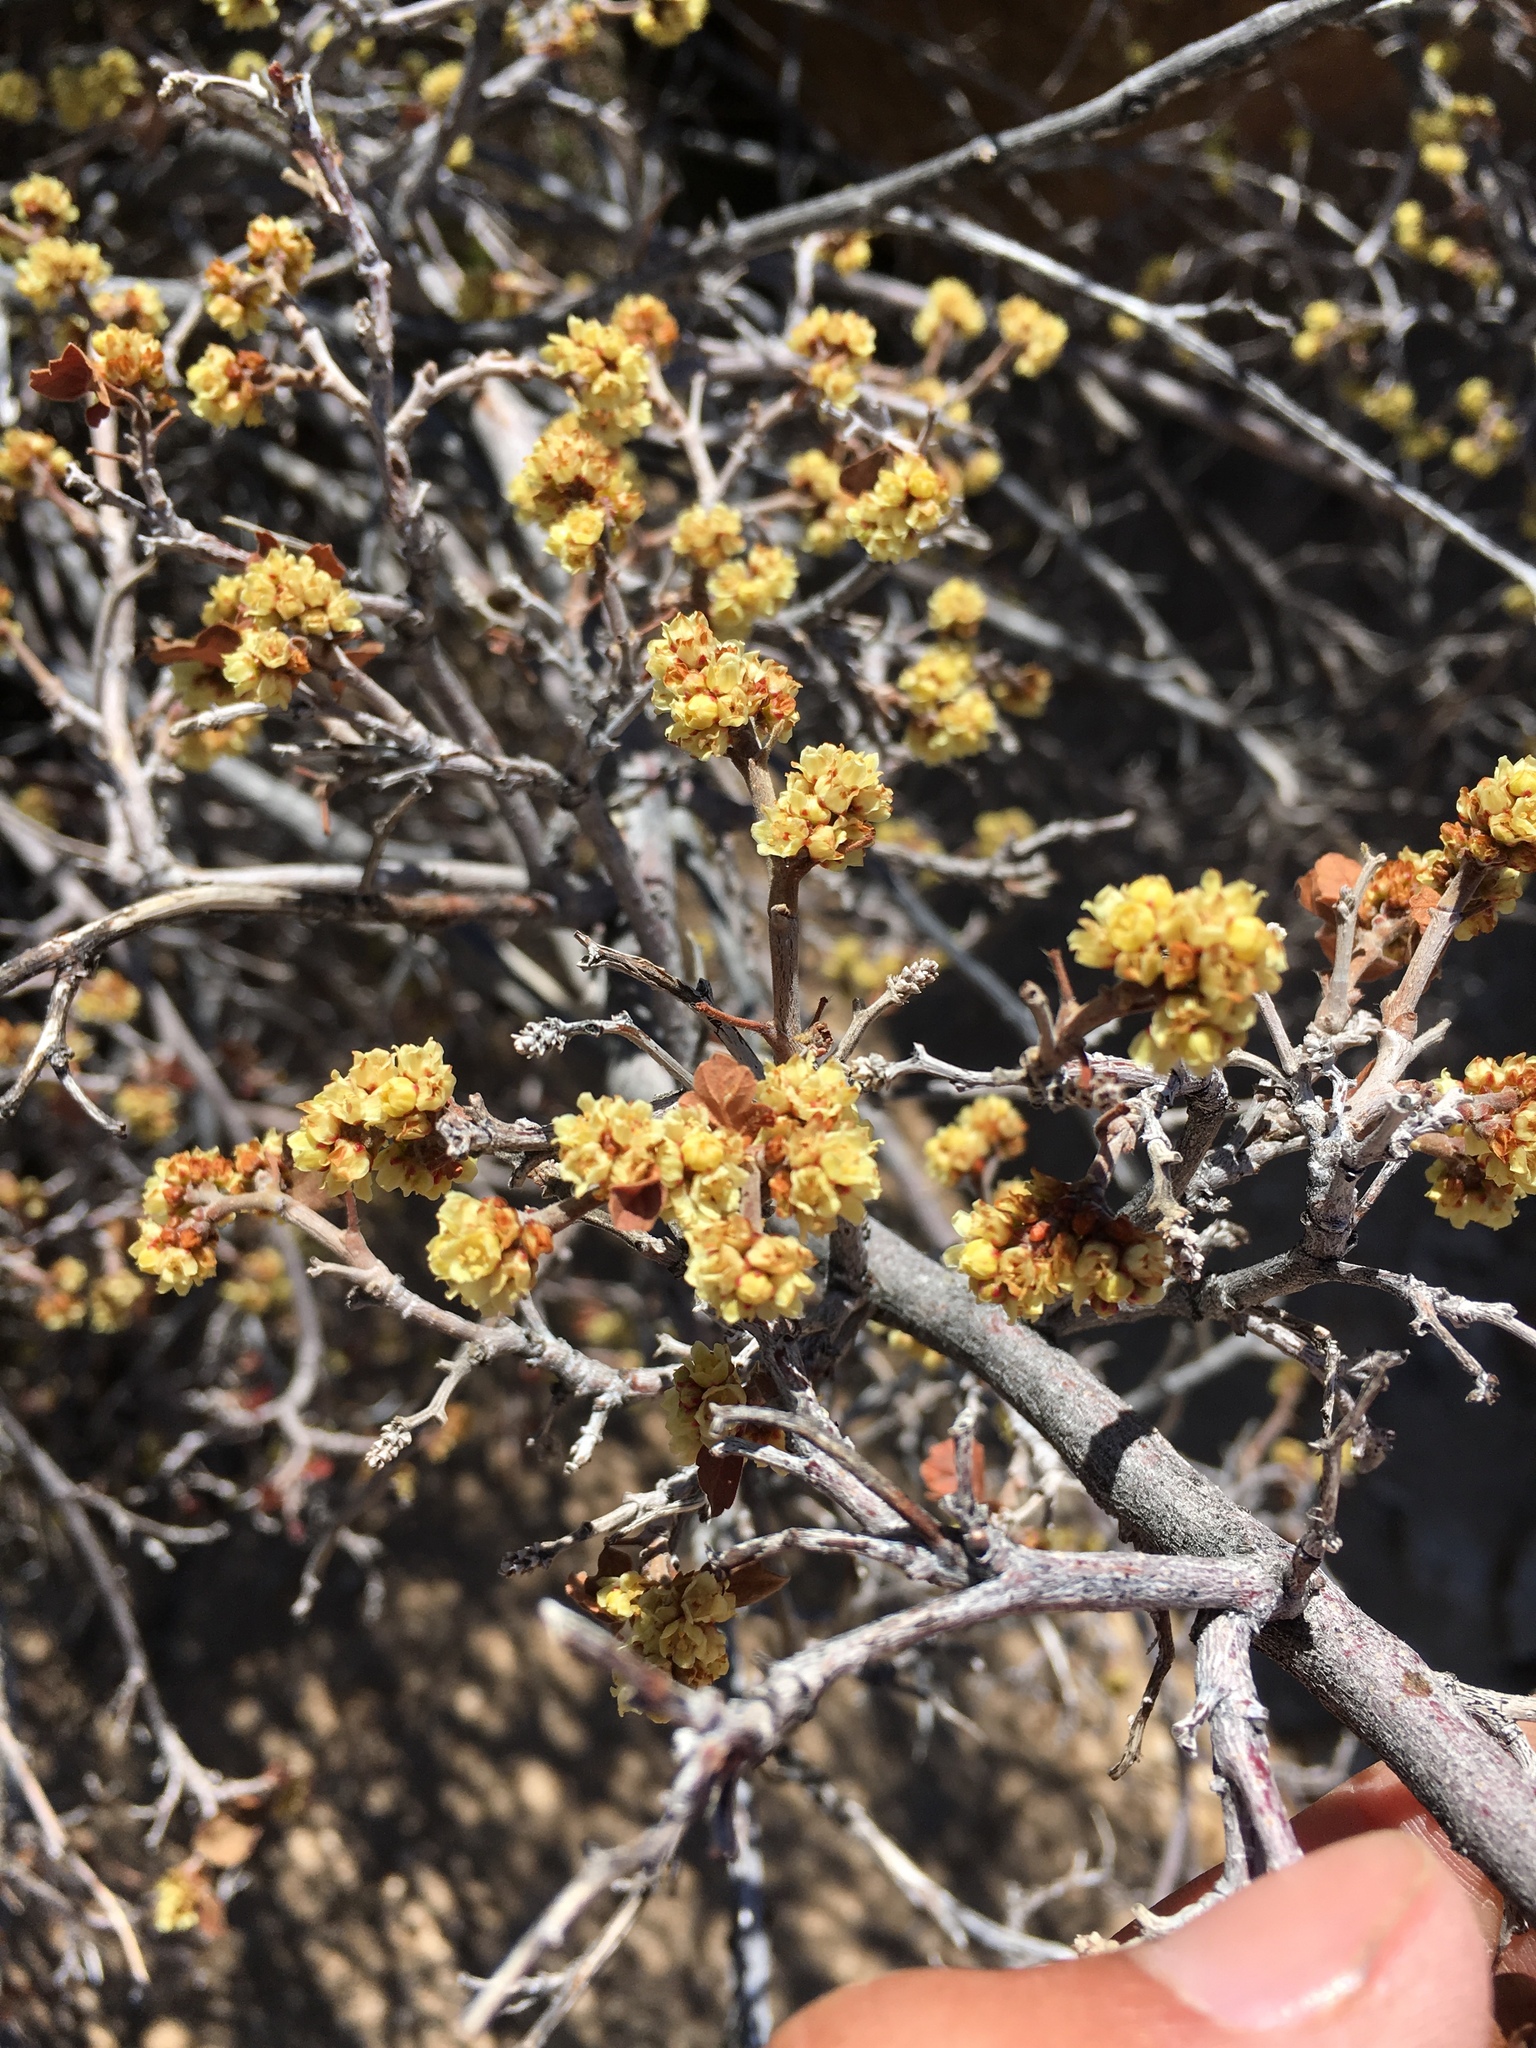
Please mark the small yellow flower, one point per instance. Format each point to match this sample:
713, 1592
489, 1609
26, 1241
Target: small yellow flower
819, 1152
53, 267
648, 322
438, 86
570, 469
950, 305
837, 344
98, 91
228, 385
1038, 334
712, 690
242, 15
260, 1284
21, 98
150, 1109
44, 202
669, 22
114, 1301
744, 1273
708, 535
606, 373
958, 607
128, 358
1499, 814
705, 1380
1038, 1242
987, 1128
741, 593
907, 501
377, 1124
27, 457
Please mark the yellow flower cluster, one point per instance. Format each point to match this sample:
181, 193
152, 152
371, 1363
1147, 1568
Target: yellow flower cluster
575, 486
648, 322
177, 1246
711, 689
26, 457
907, 501
848, 253
814, 472
377, 1124
1023, 692
838, 345
1499, 816
705, 1380
951, 716
951, 308
266, 666
1438, 133
1322, 324
108, 1303
228, 385
1038, 1242
128, 359
97, 91
438, 86
107, 998
1038, 334
694, 1168
54, 267
957, 607
132, 305
672, 1622
986, 1129
278, 255
44, 202
741, 593
819, 1152
744, 1273
1499, 1163
607, 375
279, 596
485, 1253
1205, 950
1476, 266
667, 23
23, 1195
243, 15
827, 812
995, 830
260, 1283
150, 1109
708, 535
21, 98
1495, 436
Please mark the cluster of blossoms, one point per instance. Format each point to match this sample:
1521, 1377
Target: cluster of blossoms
951, 716
1495, 435
818, 1152
577, 488
176, 1245
741, 593
228, 386
814, 472
837, 345
907, 502
278, 258
1444, 252
1393, 406
1203, 954
28, 461
150, 1109
81, 95
1496, 1162
1498, 818
671, 1619
988, 1128
957, 607
606, 373
827, 812
72, 1300
1440, 133
706, 1379
279, 608
128, 359
376, 1124
1038, 334
260, 1283
485, 1253
795, 1134
1039, 1242
1401, 896
713, 690
54, 268
107, 998
666, 23
951, 311
41, 203
708, 535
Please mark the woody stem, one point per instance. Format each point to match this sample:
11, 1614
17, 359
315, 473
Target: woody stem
784, 952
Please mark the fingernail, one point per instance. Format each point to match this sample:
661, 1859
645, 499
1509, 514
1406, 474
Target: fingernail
1297, 1944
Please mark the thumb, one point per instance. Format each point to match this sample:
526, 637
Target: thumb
1369, 1941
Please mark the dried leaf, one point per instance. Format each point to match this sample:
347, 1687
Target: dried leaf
940, 1474
208, 648
325, 557
636, 1207
613, 1561
859, 476
224, 1841
720, 1478
67, 377
753, 1581
726, 1089
1320, 888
